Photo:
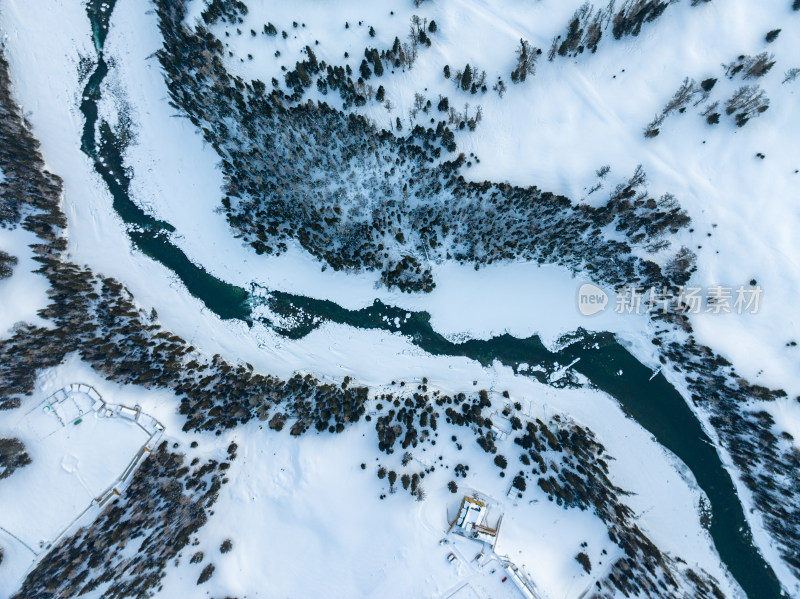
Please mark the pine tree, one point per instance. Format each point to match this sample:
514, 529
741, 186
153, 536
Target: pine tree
466, 78
364, 69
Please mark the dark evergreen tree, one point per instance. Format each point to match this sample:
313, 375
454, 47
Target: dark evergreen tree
466, 78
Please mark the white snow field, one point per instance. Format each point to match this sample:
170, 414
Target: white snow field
304, 517
80, 449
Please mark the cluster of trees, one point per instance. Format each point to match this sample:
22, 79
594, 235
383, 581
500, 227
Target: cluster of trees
409, 482
399, 416
400, 420
7, 264
301, 77
583, 32
747, 102
584, 561
419, 29
527, 56
206, 574
12, 457
28, 193
750, 67
587, 25
470, 79
227, 11
562, 482
628, 20
570, 465
352, 87
685, 95
354, 92
124, 551
399, 56
460, 120
362, 198
763, 454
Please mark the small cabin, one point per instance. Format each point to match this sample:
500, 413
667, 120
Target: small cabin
471, 521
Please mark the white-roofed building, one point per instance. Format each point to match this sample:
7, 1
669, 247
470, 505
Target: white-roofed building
471, 521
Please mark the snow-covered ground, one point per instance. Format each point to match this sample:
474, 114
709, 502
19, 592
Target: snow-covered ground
312, 517
304, 516
77, 454
25, 292
554, 131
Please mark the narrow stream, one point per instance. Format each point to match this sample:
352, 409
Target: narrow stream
651, 401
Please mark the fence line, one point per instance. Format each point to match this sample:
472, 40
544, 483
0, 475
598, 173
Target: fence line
152, 427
